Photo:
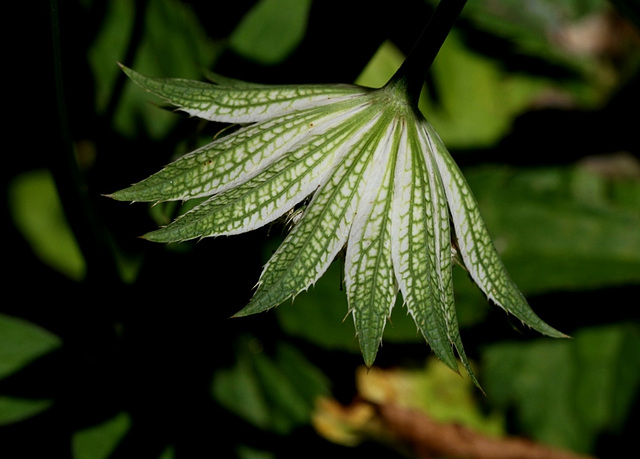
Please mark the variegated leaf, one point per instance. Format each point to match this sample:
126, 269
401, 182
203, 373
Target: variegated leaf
242, 104
266, 196
442, 233
369, 278
476, 247
414, 251
234, 159
380, 181
307, 251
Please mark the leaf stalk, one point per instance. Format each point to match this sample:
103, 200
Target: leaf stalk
415, 67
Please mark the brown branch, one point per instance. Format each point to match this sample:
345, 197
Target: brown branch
432, 439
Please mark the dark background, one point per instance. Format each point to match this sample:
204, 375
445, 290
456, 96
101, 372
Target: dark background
152, 347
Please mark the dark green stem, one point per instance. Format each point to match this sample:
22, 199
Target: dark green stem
413, 70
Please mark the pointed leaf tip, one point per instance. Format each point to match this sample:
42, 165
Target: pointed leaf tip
369, 352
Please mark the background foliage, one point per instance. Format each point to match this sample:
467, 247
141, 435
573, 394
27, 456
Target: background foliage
115, 347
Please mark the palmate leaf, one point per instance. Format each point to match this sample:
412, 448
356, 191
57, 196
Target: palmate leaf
378, 180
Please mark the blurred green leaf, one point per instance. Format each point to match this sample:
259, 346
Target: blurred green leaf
271, 30
532, 28
476, 111
170, 26
22, 342
245, 452
567, 227
381, 66
110, 47
168, 453
274, 393
14, 409
98, 442
468, 112
565, 393
320, 309
37, 212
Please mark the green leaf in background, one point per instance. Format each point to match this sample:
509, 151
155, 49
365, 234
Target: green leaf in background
244, 452
109, 47
37, 212
535, 30
98, 442
168, 453
565, 393
22, 342
322, 308
570, 227
170, 26
476, 99
469, 112
271, 30
14, 409
276, 393
381, 66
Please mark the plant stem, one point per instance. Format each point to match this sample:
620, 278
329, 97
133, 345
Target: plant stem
413, 70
